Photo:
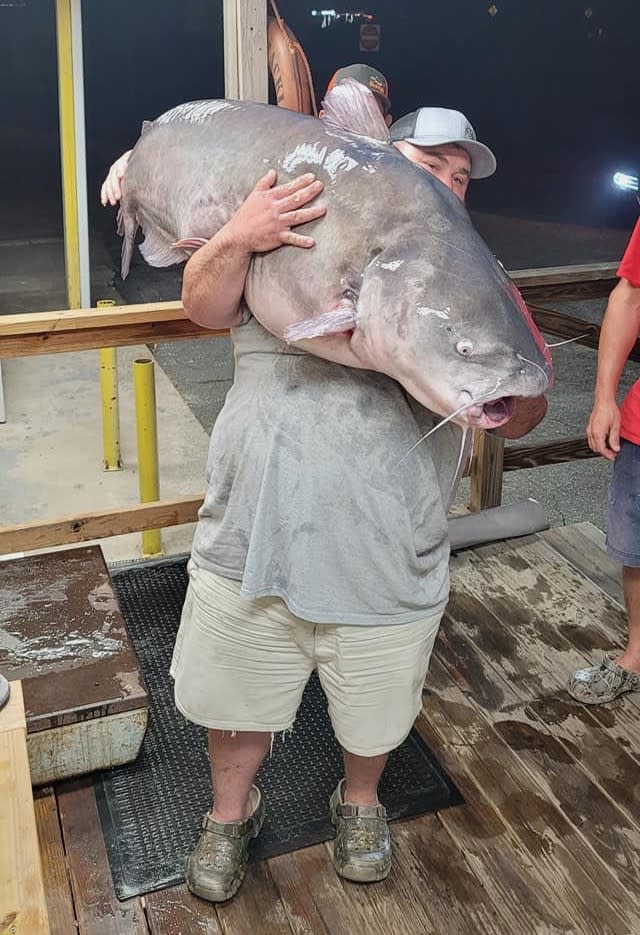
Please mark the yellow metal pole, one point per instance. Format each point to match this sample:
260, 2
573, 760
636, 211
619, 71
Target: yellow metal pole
112, 460
68, 150
147, 432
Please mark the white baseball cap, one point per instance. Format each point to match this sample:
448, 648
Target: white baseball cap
433, 126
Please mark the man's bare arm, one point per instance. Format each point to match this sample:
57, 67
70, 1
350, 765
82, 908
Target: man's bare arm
214, 276
213, 281
620, 329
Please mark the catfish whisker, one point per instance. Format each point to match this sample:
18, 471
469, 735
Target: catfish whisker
569, 340
533, 364
451, 416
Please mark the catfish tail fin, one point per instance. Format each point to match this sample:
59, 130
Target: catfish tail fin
351, 106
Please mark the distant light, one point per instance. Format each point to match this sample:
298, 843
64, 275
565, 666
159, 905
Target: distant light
628, 183
329, 17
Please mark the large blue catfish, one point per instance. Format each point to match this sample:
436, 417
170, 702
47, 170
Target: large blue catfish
399, 280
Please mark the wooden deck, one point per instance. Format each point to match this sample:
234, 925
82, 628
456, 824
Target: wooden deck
549, 838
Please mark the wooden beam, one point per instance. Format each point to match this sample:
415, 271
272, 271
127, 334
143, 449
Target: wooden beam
555, 283
563, 275
23, 908
84, 527
486, 471
88, 340
555, 452
113, 316
98, 910
90, 329
566, 326
57, 885
561, 292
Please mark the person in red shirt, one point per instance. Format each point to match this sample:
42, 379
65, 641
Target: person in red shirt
615, 434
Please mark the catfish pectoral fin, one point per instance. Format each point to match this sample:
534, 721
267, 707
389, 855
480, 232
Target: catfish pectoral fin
341, 318
189, 243
158, 251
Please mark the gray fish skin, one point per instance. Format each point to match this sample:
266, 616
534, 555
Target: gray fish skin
432, 307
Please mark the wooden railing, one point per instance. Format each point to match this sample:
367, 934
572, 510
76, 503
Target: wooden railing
85, 329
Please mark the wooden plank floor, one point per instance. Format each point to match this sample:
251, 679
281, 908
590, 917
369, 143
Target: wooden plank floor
549, 838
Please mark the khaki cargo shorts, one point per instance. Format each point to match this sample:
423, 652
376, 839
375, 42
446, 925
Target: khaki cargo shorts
242, 665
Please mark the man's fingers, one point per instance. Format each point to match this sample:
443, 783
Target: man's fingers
291, 239
614, 438
108, 192
598, 443
301, 196
266, 182
115, 192
288, 188
303, 215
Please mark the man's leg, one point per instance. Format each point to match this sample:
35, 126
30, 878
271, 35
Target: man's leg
630, 659
362, 848
619, 674
361, 777
235, 759
216, 866
373, 678
240, 672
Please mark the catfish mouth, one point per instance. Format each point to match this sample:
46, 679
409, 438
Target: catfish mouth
492, 414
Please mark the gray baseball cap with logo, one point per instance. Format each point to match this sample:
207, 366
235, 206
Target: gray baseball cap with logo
434, 126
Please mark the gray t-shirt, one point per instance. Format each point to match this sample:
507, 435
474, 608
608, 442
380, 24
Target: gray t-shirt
312, 497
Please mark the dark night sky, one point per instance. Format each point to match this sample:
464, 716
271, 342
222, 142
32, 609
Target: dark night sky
551, 90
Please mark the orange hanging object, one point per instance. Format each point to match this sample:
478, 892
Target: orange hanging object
289, 67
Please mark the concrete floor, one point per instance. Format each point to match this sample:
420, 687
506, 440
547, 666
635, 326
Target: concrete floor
51, 445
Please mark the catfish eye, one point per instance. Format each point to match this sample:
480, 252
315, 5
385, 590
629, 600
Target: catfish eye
464, 347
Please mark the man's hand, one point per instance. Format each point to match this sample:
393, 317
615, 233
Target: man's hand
214, 277
264, 220
111, 191
603, 430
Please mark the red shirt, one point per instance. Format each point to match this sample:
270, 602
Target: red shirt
630, 410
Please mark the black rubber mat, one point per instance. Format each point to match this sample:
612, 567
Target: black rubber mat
151, 810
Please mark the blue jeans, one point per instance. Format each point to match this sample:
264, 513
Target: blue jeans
623, 522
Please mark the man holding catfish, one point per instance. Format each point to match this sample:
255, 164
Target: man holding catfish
322, 542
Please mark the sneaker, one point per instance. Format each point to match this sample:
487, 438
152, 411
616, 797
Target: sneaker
217, 864
362, 849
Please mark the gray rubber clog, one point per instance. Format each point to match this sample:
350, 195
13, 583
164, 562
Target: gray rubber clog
601, 684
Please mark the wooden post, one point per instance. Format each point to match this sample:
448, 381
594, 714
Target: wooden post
246, 74
486, 471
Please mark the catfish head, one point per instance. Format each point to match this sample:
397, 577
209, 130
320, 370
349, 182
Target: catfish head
459, 345
453, 330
